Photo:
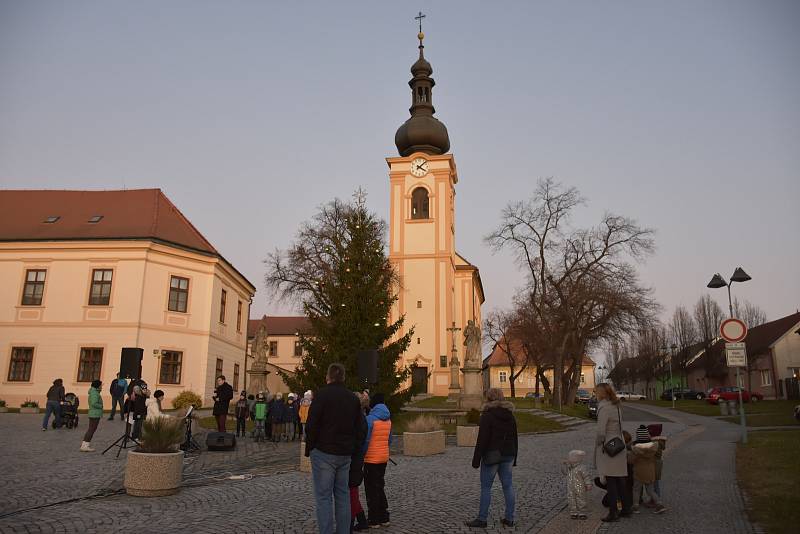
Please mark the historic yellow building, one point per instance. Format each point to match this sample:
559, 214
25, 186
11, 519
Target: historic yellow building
86, 273
439, 288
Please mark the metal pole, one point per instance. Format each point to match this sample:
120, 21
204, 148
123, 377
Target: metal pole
671, 382
742, 420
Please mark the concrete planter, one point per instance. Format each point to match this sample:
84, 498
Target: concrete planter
466, 436
153, 475
28, 409
423, 443
305, 463
3, 409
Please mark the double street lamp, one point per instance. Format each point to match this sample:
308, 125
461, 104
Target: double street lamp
671, 381
717, 282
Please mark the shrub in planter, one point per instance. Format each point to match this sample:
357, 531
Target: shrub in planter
3, 407
187, 398
467, 434
423, 437
156, 467
29, 406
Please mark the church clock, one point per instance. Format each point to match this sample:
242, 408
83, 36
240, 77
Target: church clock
419, 167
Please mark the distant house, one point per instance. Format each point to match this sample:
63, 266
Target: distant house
284, 350
773, 356
497, 372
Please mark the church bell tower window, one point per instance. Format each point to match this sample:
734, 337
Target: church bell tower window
419, 204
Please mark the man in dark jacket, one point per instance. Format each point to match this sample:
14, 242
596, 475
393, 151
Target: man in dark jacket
495, 453
336, 429
222, 402
54, 397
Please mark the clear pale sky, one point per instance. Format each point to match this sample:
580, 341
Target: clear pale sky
249, 114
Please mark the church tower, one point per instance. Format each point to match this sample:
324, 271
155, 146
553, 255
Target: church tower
438, 287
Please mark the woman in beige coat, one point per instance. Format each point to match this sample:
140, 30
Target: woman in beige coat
613, 468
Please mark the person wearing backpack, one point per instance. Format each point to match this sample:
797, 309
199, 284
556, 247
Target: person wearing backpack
117, 389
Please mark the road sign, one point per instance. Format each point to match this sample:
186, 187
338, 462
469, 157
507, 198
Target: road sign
736, 354
733, 330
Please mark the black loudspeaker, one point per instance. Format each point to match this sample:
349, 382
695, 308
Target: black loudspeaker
368, 366
130, 362
221, 441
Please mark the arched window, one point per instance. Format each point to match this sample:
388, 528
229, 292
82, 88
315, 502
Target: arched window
419, 203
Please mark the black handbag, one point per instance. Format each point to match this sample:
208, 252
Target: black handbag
615, 445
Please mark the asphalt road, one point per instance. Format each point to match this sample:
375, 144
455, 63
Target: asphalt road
629, 413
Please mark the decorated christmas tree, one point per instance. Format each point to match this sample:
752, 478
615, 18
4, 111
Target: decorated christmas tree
337, 270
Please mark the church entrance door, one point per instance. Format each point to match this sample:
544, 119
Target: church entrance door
419, 379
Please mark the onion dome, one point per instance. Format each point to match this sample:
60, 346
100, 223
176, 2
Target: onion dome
422, 132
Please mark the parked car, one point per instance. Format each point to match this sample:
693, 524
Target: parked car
592, 405
732, 393
627, 395
583, 396
531, 395
682, 393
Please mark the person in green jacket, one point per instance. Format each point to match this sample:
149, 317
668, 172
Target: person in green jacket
95, 413
261, 410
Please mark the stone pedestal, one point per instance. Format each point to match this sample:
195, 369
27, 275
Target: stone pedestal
472, 396
454, 392
256, 380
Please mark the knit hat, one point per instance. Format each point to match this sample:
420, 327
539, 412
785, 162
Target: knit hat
576, 456
642, 435
377, 398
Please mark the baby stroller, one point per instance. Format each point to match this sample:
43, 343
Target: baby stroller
69, 411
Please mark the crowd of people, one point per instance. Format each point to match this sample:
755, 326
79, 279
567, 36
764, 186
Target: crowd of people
348, 435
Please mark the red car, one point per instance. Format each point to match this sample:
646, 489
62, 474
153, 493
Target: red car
732, 393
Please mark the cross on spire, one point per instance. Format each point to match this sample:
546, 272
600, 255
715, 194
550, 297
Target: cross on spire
419, 18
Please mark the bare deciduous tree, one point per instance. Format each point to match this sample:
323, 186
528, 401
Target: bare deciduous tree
684, 335
582, 287
708, 316
501, 326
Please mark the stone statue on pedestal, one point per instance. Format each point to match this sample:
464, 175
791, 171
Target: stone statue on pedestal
472, 396
258, 372
472, 340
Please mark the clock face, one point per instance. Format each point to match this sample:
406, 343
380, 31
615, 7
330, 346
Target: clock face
419, 167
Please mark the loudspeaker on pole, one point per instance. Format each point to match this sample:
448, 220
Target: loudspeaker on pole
130, 362
368, 366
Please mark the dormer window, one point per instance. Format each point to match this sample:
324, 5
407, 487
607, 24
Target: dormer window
52, 219
96, 219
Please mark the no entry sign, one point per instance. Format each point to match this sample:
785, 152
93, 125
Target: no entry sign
733, 330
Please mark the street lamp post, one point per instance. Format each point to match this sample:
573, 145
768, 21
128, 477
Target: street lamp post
717, 282
671, 381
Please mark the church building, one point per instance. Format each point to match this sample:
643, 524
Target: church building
440, 290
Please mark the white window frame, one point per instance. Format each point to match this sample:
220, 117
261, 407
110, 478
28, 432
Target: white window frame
765, 374
503, 376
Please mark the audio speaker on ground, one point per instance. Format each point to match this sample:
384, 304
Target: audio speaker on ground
221, 441
130, 363
368, 366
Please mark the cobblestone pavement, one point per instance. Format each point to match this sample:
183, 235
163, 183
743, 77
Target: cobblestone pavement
699, 480
426, 495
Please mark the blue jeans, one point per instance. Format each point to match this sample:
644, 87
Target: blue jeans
488, 473
53, 407
114, 402
331, 474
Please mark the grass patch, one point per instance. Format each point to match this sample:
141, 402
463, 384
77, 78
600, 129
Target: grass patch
702, 407
210, 423
766, 419
526, 422
768, 468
